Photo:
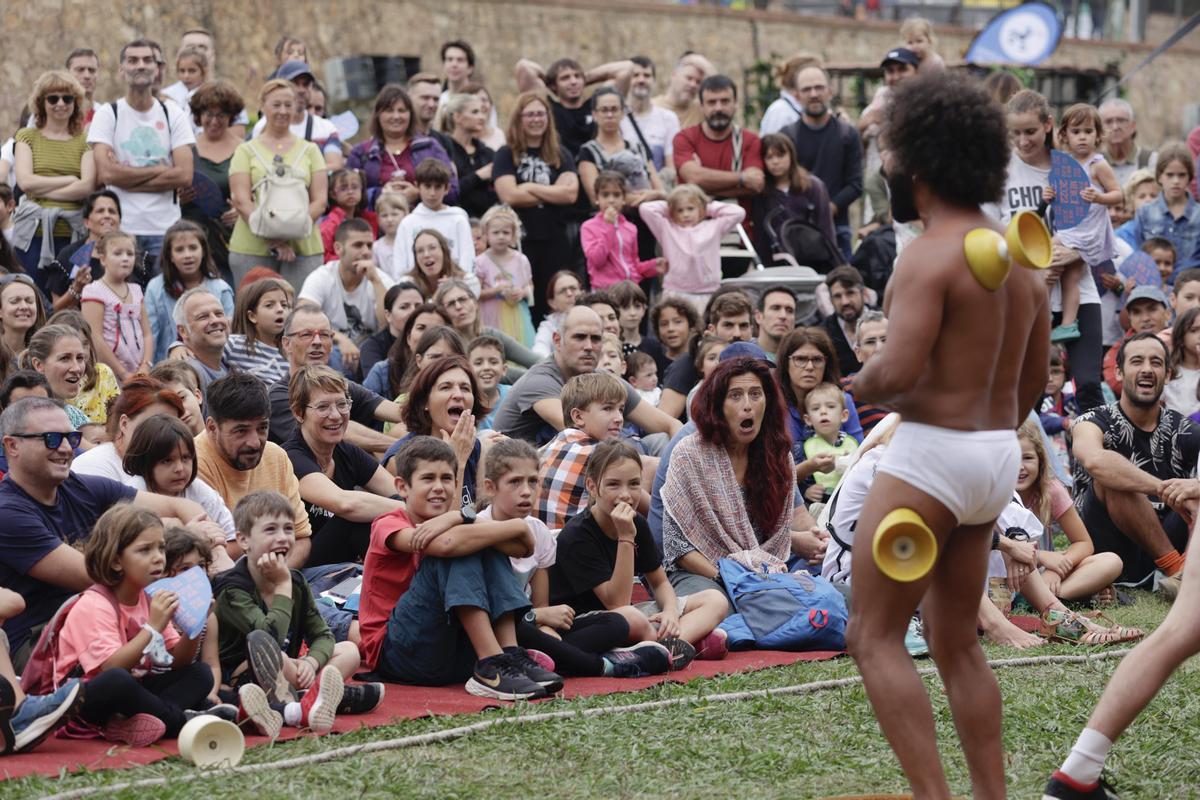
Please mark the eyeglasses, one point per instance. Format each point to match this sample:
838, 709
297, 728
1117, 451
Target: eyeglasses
53, 439
16, 277
55, 99
342, 407
456, 302
210, 113
534, 115
803, 361
309, 335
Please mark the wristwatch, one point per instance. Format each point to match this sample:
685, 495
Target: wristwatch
468, 515
531, 617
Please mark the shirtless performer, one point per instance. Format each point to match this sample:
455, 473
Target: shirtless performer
964, 366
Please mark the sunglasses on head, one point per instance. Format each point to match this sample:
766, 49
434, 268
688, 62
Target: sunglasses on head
55, 99
53, 439
16, 277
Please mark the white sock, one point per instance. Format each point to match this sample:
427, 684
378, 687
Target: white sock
1086, 760
291, 715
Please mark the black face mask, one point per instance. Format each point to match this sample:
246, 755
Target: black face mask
900, 192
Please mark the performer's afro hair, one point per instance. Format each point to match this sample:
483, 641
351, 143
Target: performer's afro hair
946, 130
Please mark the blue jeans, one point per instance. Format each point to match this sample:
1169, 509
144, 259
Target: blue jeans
152, 246
843, 240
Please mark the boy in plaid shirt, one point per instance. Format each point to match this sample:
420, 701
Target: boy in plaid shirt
593, 406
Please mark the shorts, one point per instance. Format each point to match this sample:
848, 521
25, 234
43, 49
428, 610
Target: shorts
650, 607
971, 473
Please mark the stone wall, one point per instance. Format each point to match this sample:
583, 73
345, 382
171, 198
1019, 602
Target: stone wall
36, 34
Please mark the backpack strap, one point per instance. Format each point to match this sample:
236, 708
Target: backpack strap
131, 627
737, 148
308, 127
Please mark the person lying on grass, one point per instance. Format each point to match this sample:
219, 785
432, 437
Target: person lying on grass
587, 644
439, 598
603, 547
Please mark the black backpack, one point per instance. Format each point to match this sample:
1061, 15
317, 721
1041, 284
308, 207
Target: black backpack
875, 258
802, 240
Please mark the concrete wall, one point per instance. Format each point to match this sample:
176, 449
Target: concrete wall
36, 34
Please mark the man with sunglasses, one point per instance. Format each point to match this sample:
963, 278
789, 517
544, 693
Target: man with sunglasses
308, 341
142, 148
47, 509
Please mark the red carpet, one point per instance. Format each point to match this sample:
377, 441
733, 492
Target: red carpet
400, 702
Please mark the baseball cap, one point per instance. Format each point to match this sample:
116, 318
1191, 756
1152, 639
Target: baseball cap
290, 70
743, 350
900, 55
1146, 293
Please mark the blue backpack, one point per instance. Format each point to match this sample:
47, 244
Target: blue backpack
782, 611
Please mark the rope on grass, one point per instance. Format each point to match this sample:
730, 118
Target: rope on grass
451, 734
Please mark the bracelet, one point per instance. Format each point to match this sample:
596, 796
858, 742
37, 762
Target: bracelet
741, 181
71, 290
625, 541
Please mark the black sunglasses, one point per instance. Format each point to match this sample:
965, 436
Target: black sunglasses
53, 439
55, 99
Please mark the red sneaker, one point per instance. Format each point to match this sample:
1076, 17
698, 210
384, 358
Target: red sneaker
318, 707
713, 647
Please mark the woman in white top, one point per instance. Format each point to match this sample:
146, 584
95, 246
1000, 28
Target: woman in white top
1031, 131
1180, 392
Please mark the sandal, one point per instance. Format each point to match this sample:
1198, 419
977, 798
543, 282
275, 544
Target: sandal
1072, 628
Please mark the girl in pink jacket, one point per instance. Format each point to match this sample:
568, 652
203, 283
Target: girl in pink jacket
610, 241
689, 227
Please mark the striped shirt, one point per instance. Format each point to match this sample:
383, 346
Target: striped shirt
266, 362
53, 158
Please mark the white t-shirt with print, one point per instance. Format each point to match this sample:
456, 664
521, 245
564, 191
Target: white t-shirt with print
143, 139
351, 313
659, 126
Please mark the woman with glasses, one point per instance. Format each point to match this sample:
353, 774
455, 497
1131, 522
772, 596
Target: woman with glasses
55, 169
276, 149
342, 486
459, 305
214, 106
609, 150
536, 175
805, 359
562, 291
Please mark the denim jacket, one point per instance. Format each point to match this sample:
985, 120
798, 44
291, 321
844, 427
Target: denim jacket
1153, 219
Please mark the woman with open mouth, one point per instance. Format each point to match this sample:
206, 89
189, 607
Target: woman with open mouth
730, 491
445, 401
342, 486
60, 353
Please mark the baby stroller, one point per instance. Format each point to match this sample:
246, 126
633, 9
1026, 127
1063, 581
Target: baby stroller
797, 242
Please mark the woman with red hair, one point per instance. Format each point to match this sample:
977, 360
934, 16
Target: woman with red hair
713, 507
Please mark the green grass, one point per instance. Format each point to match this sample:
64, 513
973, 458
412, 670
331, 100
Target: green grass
793, 747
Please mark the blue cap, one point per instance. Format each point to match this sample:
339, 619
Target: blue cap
1146, 293
290, 70
901, 55
743, 350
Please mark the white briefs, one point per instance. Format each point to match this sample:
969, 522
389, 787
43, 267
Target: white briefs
972, 473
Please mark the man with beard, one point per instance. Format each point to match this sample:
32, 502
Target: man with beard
49, 511
308, 341
718, 155
971, 365
143, 150
203, 329
775, 318
532, 409
1134, 462
657, 125
845, 286
828, 147
425, 90
234, 457
680, 97
1138, 461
